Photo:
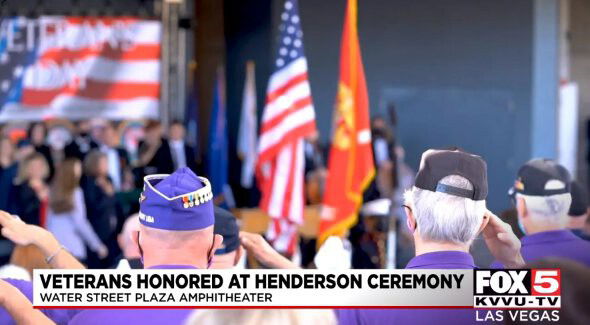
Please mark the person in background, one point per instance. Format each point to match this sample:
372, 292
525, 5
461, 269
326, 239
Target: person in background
29, 196
131, 258
155, 156
183, 155
37, 135
383, 147
578, 212
174, 234
67, 213
82, 141
8, 170
229, 254
118, 160
99, 197
446, 210
541, 194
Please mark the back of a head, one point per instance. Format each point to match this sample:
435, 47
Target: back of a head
545, 187
176, 216
442, 217
262, 317
448, 199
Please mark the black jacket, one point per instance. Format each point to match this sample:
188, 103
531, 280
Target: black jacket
46, 152
100, 209
161, 162
79, 147
25, 203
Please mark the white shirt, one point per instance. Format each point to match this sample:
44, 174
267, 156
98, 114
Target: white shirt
72, 229
178, 154
114, 166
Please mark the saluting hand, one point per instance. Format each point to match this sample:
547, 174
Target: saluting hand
502, 242
263, 252
16, 230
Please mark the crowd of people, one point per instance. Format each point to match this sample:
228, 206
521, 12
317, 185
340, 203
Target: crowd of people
82, 190
78, 207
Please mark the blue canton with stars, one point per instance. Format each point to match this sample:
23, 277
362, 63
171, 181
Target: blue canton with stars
291, 37
15, 56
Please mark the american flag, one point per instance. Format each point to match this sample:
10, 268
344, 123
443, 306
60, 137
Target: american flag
79, 67
288, 117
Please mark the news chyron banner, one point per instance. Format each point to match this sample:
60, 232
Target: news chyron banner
479, 290
79, 67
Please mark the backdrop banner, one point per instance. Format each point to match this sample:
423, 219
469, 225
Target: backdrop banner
79, 67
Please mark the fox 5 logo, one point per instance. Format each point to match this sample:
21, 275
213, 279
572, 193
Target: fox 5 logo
531, 282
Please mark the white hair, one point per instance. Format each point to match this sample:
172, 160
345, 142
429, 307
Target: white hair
441, 217
553, 208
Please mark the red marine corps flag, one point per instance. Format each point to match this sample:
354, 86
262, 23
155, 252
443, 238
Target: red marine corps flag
288, 117
350, 166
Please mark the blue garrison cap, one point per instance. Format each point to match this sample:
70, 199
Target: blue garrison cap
179, 201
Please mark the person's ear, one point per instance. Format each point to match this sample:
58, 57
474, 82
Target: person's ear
484, 223
521, 208
217, 240
134, 239
239, 253
411, 220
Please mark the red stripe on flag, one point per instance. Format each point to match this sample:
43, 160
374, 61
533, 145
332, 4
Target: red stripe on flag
93, 89
139, 52
285, 87
301, 131
302, 103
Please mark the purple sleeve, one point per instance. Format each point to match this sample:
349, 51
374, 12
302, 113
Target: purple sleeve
59, 316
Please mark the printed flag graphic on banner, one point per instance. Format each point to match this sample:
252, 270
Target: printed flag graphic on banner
350, 166
79, 67
288, 117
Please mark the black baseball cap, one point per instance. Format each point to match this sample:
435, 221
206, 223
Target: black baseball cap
534, 178
579, 205
438, 164
226, 225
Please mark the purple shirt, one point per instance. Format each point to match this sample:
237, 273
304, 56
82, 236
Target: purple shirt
435, 260
135, 316
59, 316
557, 243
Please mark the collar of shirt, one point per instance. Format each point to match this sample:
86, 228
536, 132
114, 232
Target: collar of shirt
176, 143
548, 237
171, 266
446, 259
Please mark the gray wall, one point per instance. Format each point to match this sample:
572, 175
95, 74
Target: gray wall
477, 74
459, 72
